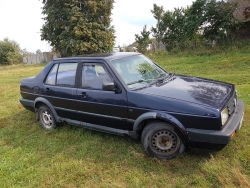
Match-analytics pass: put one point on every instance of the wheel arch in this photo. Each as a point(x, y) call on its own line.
point(42, 101)
point(147, 117)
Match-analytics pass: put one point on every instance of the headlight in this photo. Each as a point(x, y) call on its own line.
point(224, 116)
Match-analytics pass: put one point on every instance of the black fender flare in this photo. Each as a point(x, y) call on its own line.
point(46, 102)
point(157, 115)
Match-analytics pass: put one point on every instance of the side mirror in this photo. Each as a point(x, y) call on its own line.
point(108, 86)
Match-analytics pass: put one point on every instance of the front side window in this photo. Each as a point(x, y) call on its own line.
point(138, 70)
point(62, 74)
point(94, 76)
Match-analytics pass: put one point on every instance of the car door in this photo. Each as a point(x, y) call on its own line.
point(59, 89)
point(99, 107)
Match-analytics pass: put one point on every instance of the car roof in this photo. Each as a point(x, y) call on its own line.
point(106, 56)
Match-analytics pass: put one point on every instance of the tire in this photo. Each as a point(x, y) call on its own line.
point(162, 140)
point(46, 118)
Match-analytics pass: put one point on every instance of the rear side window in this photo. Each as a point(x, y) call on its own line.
point(62, 74)
point(51, 78)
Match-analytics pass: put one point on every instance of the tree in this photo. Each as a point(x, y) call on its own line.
point(38, 51)
point(204, 20)
point(195, 15)
point(142, 40)
point(10, 52)
point(220, 22)
point(75, 27)
point(175, 34)
point(159, 30)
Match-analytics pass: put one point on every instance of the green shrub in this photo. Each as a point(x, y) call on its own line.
point(10, 52)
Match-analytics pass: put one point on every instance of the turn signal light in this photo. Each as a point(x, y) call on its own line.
point(233, 134)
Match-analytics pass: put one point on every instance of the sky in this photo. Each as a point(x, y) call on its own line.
point(22, 20)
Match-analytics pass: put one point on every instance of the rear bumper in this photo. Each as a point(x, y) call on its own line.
point(28, 104)
point(217, 139)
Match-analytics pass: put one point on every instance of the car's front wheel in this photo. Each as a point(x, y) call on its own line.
point(46, 118)
point(162, 140)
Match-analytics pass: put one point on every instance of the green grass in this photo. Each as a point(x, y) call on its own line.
point(75, 157)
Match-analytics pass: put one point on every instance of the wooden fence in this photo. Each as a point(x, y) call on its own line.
point(40, 57)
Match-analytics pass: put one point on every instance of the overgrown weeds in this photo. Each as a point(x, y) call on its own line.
point(75, 157)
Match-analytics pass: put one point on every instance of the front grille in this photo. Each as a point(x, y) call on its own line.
point(231, 105)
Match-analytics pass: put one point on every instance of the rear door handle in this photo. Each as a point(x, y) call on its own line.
point(47, 90)
point(83, 94)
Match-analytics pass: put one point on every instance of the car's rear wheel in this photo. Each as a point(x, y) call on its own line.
point(162, 140)
point(46, 118)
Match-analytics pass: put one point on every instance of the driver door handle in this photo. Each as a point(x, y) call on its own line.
point(83, 94)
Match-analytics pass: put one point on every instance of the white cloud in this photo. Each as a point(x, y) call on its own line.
point(129, 16)
point(22, 20)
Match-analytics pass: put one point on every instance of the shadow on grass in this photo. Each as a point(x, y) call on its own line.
point(67, 143)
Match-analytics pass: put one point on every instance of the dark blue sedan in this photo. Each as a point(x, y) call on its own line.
point(128, 94)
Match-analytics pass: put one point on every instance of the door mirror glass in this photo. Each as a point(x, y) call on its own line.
point(108, 86)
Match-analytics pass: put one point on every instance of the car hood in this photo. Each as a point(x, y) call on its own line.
point(191, 89)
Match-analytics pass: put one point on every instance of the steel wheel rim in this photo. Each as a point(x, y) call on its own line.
point(46, 118)
point(164, 142)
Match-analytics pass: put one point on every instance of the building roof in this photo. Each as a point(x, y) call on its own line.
point(243, 9)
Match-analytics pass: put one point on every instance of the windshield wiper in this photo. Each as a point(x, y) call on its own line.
point(148, 80)
point(159, 78)
point(138, 81)
point(166, 79)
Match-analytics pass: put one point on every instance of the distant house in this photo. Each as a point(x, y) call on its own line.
point(243, 10)
point(116, 49)
point(243, 13)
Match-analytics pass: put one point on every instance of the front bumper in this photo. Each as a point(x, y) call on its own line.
point(217, 139)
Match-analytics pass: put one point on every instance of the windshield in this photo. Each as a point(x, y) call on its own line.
point(138, 70)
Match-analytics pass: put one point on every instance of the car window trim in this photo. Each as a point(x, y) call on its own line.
point(58, 65)
point(92, 62)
